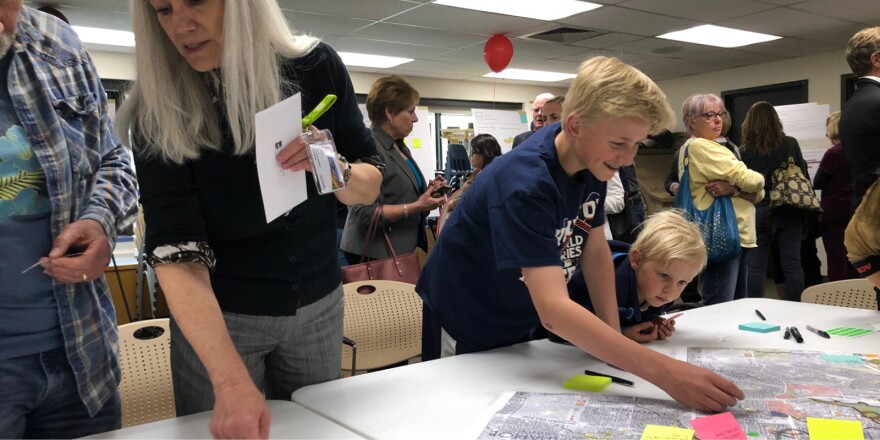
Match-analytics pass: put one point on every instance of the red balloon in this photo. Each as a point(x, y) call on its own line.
point(497, 52)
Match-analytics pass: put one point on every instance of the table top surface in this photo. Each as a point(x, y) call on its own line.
point(289, 421)
point(451, 397)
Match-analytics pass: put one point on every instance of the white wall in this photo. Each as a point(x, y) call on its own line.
point(822, 71)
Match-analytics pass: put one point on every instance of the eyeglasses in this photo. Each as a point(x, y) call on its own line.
point(711, 115)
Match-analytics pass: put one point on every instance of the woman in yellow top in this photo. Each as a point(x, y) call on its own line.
point(715, 171)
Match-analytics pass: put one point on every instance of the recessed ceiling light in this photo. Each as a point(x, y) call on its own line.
point(544, 10)
point(366, 60)
point(107, 37)
point(718, 36)
point(530, 75)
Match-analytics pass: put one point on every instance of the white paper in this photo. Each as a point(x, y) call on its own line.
point(277, 126)
point(503, 124)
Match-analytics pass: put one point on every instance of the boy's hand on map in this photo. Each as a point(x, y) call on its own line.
point(641, 333)
point(698, 387)
point(665, 327)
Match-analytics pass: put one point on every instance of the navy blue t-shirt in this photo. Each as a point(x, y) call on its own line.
point(626, 285)
point(521, 211)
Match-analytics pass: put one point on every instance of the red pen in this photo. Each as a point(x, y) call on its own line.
point(674, 316)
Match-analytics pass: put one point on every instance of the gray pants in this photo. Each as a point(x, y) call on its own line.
point(281, 353)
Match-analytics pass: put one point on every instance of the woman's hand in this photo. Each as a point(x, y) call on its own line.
point(428, 203)
point(720, 188)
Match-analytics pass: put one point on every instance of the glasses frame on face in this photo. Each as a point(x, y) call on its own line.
point(710, 116)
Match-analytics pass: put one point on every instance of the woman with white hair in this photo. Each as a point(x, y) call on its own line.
point(715, 171)
point(256, 307)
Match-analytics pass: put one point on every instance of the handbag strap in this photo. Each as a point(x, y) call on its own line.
point(371, 232)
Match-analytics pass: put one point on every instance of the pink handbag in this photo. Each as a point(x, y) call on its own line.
point(403, 268)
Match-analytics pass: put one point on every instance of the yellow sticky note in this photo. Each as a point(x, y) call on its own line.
point(828, 429)
point(657, 432)
point(417, 142)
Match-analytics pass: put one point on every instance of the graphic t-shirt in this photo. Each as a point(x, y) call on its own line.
point(523, 211)
point(29, 320)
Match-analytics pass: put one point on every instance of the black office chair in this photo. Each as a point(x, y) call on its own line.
point(458, 165)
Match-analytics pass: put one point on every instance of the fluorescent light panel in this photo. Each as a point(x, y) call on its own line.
point(530, 75)
point(543, 10)
point(718, 36)
point(366, 60)
point(107, 37)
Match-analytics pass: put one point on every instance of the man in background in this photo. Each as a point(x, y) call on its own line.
point(537, 120)
point(66, 187)
point(551, 112)
point(860, 136)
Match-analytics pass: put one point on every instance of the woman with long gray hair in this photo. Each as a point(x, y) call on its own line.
point(256, 306)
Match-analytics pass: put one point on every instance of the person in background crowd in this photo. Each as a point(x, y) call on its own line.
point(256, 307)
point(406, 197)
point(68, 187)
point(716, 172)
point(551, 111)
point(517, 236)
point(860, 135)
point(835, 181)
point(537, 122)
point(671, 184)
point(764, 147)
point(484, 149)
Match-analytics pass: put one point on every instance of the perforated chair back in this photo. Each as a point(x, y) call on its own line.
point(385, 325)
point(145, 356)
point(856, 293)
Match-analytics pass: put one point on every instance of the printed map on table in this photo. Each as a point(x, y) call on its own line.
point(782, 389)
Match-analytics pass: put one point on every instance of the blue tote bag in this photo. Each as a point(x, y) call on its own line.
point(717, 222)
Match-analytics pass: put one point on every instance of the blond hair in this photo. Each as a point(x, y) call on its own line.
point(607, 87)
point(667, 236)
point(171, 107)
point(860, 48)
point(832, 127)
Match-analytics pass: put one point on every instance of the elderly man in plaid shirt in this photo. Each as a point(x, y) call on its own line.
point(66, 187)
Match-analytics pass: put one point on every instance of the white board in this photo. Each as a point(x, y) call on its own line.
point(503, 124)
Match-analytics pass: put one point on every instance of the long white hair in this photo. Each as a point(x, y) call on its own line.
point(170, 108)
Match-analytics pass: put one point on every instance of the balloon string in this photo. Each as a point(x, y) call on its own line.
point(494, 98)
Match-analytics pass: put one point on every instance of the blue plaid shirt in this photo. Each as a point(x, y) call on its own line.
point(61, 105)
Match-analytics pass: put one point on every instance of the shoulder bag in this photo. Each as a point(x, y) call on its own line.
point(717, 222)
point(403, 268)
point(789, 186)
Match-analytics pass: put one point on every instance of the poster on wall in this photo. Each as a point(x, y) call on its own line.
point(503, 124)
point(806, 123)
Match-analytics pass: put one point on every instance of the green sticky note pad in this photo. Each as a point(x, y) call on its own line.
point(828, 429)
point(582, 382)
point(841, 358)
point(759, 327)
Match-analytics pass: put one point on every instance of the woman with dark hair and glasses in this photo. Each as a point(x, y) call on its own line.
point(764, 147)
point(716, 172)
point(484, 149)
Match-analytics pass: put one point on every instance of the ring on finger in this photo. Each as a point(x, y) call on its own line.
point(85, 277)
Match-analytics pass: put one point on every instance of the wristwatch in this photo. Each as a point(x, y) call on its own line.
point(346, 167)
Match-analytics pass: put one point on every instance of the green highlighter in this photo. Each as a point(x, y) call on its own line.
point(319, 110)
point(583, 382)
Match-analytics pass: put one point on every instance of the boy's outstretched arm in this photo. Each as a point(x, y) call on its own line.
point(598, 271)
point(691, 385)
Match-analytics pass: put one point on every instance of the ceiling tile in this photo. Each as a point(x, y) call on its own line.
point(373, 47)
point(463, 20)
point(784, 22)
point(792, 47)
point(855, 11)
point(607, 40)
point(613, 18)
point(420, 35)
point(370, 10)
point(320, 25)
point(699, 10)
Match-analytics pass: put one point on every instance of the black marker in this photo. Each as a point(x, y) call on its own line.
point(818, 332)
point(797, 335)
point(787, 334)
point(616, 380)
point(760, 315)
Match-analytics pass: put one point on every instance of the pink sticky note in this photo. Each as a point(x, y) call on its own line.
point(718, 426)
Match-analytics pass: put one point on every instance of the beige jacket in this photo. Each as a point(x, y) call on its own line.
point(710, 161)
